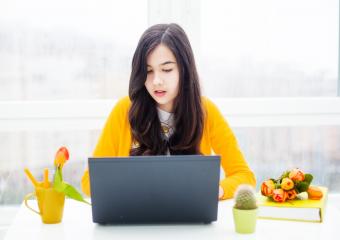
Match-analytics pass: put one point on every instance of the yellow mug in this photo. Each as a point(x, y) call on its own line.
point(50, 203)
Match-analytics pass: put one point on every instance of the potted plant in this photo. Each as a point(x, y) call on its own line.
point(245, 209)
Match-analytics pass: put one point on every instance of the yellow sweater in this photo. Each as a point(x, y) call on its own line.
point(115, 140)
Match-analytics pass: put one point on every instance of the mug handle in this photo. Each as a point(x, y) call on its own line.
point(27, 197)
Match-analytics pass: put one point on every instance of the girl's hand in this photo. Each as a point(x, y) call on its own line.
point(220, 193)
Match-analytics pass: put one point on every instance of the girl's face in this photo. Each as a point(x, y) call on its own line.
point(162, 81)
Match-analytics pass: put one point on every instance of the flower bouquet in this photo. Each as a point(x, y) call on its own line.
point(289, 186)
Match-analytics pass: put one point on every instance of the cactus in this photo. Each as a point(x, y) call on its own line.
point(245, 198)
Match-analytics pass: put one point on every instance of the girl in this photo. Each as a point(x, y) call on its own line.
point(165, 112)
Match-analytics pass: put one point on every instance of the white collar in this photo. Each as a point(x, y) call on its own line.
point(167, 122)
point(164, 116)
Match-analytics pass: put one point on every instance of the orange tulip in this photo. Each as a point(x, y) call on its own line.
point(297, 175)
point(267, 188)
point(279, 195)
point(61, 157)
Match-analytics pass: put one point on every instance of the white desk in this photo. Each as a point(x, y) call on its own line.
point(77, 224)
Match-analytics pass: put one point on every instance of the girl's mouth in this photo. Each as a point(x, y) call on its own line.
point(159, 93)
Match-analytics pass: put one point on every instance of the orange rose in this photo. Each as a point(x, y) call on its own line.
point(291, 194)
point(61, 157)
point(279, 195)
point(287, 184)
point(267, 188)
point(297, 175)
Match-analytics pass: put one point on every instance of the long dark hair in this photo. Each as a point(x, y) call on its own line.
point(188, 112)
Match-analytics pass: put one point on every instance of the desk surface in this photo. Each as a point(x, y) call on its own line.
point(77, 224)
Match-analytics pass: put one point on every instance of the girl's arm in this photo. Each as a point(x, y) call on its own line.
point(108, 142)
point(224, 143)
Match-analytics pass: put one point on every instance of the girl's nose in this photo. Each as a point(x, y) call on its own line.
point(157, 80)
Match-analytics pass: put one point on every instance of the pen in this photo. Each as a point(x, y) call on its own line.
point(30, 176)
point(46, 184)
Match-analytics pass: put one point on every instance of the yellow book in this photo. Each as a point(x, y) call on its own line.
point(294, 210)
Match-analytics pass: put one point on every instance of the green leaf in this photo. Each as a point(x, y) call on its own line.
point(58, 181)
point(274, 180)
point(302, 186)
point(285, 174)
point(73, 193)
point(308, 178)
point(66, 188)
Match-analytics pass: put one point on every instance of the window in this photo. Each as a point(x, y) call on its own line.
point(267, 48)
point(70, 55)
point(68, 49)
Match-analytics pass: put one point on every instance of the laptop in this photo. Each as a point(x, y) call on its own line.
point(154, 189)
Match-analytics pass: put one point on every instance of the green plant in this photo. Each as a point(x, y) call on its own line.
point(59, 184)
point(245, 198)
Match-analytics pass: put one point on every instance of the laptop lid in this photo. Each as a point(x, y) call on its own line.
point(154, 189)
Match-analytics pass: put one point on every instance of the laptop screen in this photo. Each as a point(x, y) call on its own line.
point(142, 189)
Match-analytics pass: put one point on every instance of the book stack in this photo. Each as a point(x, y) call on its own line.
point(294, 210)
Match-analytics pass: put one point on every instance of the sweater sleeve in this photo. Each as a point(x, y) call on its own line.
point(107, 144)
point(224, 143)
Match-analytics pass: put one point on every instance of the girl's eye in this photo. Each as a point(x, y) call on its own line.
point(149, 71)
point(167, 70)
